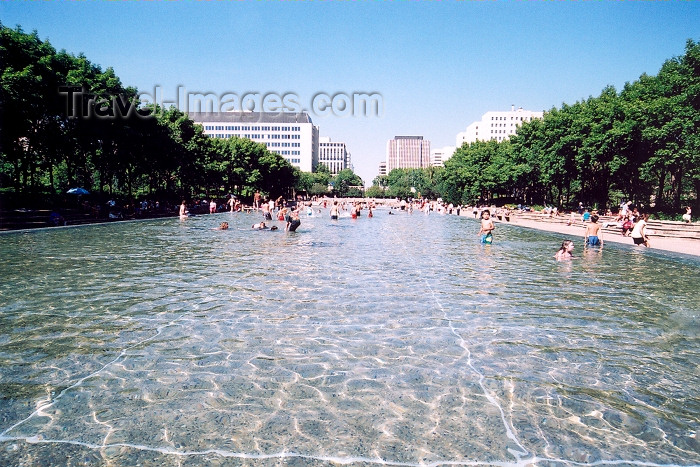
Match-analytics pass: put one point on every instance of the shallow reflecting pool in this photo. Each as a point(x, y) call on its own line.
point(394, 340)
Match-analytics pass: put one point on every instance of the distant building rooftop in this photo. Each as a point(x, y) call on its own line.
point(250, 117)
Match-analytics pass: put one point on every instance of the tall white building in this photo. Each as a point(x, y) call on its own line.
point(291, 135)
point(438, 156)
point(496, 125)
point(333, 155)
point(407, 152)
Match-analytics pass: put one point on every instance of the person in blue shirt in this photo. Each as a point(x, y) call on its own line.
point(586, 216)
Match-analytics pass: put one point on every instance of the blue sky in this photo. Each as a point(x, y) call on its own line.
point(438, 65)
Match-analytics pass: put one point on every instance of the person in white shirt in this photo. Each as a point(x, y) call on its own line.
point(688, 215)
point(639, 234)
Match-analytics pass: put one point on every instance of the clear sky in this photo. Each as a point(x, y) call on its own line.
point(438, 65)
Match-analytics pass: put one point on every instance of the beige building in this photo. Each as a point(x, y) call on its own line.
point(407, 152)
point(496, 125)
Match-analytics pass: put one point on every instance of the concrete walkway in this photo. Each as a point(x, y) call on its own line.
point(575, 232)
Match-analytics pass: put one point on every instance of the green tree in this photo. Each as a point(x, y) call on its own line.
point(669, 112)
point(345, 183)
point(375, 191)
point(468, 179)
point(381, 181)
point(399, 183)
point(525, 150)
point(316, 182)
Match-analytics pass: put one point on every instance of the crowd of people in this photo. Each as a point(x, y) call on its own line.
point(628, 219)
point(282, 210)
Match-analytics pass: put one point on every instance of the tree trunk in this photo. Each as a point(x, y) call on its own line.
point(660, 189)
point(128, 182)
point(604, 191)
point(69, 172)
point(16, 179)
point(677, 184)
point(51, 181)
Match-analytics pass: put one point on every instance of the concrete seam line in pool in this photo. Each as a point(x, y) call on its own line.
point(39, 411)
point(122, 353)
point(316, 354)
point(463, 344)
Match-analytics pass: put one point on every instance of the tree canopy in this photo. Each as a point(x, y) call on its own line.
point(640, 144)
point(69, 123)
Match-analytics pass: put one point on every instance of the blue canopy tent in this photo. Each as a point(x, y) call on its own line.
point(78, 191)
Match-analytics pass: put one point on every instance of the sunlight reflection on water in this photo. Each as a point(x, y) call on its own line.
point(397, 339)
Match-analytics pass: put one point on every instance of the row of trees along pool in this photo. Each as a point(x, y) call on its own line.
point(48, 144)
point(641, 144)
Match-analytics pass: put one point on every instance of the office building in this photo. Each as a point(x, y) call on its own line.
point(333, 155)
point(438, 156)
point(496, 125)
point(291, 135)
point(407, 152)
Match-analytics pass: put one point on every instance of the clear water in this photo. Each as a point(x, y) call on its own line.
point(395, 340)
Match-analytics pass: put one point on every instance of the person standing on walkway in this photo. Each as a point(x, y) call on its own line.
point(639, 232)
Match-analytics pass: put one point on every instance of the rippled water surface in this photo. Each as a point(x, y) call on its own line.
point(398, 340)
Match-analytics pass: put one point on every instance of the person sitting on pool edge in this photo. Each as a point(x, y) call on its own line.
point(593, 235)
point(486, 227)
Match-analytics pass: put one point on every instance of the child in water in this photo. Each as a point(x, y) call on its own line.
point(486, 227)
point(565, 252)
point(593, 235)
